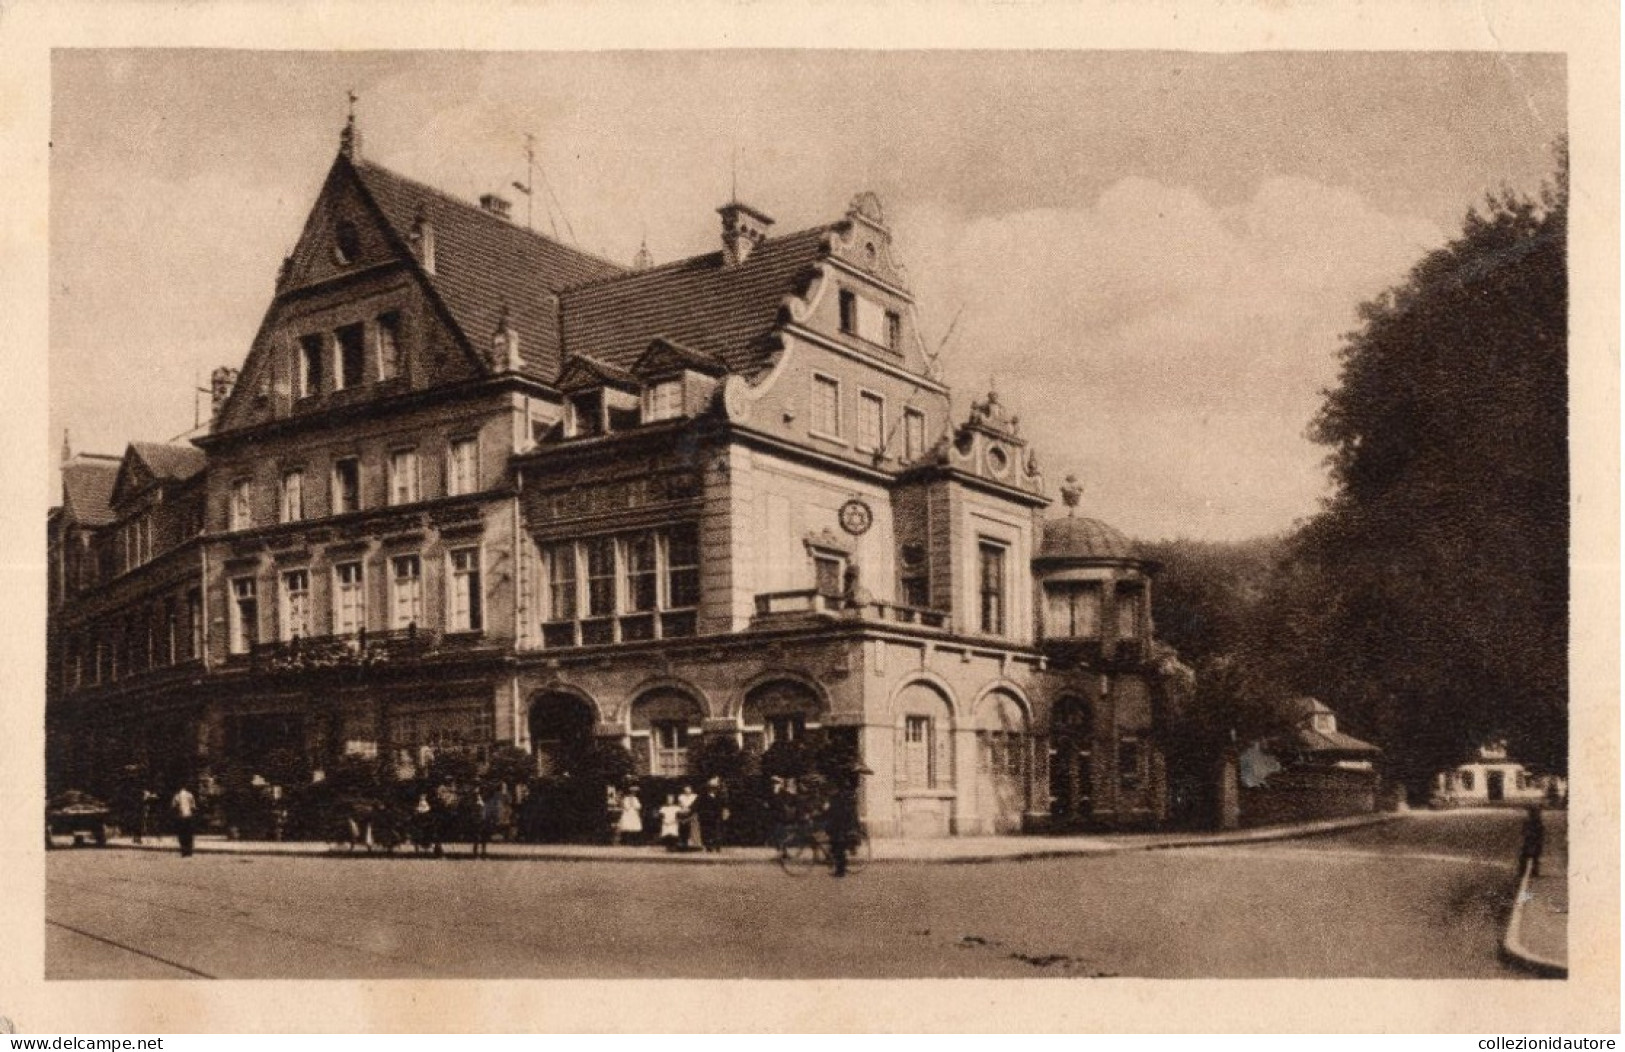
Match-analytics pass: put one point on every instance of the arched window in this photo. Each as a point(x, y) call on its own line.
point(561, 726)
point(1001, 733)
point(924, 738)
point(664, 722)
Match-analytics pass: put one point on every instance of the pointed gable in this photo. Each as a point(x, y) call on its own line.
point(582, 373)
point(149, 463)
point(87, 489)
point(727, 312)
point(666, 357)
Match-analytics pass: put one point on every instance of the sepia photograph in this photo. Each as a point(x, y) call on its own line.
point(784, 513)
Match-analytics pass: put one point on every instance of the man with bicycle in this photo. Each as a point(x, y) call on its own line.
point(841, 818)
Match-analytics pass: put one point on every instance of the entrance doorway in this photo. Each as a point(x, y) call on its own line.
point(560, 730)
point(1496, 783)
point(1071, 776)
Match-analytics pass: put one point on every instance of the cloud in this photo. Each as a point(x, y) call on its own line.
point(1167, 349)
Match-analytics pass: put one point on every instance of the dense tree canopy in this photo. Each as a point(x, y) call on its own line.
point(1428, 602)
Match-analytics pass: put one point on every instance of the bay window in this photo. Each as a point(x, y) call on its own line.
point(622, 588)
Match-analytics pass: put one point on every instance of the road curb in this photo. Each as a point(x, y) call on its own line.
point(1036, 854)
point(1514, 952)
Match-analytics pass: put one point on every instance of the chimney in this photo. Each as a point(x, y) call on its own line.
point(422, 238)
point(497, 206)
point(743, 228)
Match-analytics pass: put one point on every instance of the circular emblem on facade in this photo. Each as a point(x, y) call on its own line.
point(856, 518)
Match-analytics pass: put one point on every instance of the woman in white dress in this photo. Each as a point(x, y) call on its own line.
point(630, 824)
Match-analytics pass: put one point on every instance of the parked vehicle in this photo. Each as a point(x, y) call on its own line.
point(76, 814)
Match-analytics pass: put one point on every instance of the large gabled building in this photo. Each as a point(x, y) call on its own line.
point(474, 487)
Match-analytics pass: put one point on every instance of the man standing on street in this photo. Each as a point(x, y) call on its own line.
point(184, 804)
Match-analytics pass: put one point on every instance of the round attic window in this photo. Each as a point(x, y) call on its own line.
point(346, 241)
point(998, 460)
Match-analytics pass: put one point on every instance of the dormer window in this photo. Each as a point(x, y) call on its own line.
point(664, 400)
point(587, 414)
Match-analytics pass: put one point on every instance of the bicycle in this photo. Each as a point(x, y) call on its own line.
point(806, 847)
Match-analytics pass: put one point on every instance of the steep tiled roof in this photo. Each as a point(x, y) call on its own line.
point(484, 263)
point(1081, 538)
point(718, 310)
point(1308, 740)
point(170, 463)
point(87, 489)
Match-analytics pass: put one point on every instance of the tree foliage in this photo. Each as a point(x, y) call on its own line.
point(1442, 560)
point(1428, 602)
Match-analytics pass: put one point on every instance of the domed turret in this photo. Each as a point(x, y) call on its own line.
point(1084, 539)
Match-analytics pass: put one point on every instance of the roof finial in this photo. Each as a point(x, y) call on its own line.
point(350, 138)
point(644, 259)
point(1071, 493)
point(67, 447)
point(733, 190)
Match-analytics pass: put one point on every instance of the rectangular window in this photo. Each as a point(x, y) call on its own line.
point(871, 421)
point(849, 311)
point(916, 590)
point(789, 728)
point(601, 577)
point(194, 620)
point(403, 476)
point(665, 400)
point(296, 605)
point(293, 496)
point(467, 596)
point(1128, 613)
point(894, 330)
point(642, 573)
point(913, 435)
point(669, 741)
point(683, 567)
point(346, 485)
point(406, 591)
point(242, 504)
point(389, 345)
point(871, 322)
point(244, 614)
point(462, 461)
point(312, 350)
point(351, 343)
point(826, 406)
point(561, 582)
point(349, 599)
point(919, 761)
point(1073, 610)
point(992, 558)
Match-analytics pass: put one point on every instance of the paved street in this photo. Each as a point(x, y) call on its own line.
point(1426, 896)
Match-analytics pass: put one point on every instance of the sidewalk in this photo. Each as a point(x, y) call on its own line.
point(946, 850)
point(1538, 931)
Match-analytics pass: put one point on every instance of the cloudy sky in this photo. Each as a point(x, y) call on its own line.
point(1151, 254)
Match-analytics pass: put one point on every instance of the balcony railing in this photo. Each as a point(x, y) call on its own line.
point(359, 650)
point(779, 606)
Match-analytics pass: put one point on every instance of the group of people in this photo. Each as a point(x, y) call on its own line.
point(689, 821)
point(480, 815)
